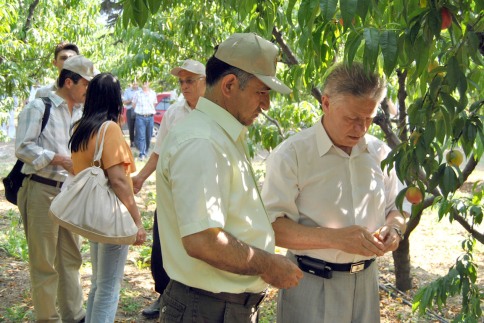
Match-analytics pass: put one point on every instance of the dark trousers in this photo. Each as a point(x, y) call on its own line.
point(182, 304)
point(157, 271)
point(130, 117)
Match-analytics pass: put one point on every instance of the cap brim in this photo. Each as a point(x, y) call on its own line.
point(175, 71)
point(274, 83)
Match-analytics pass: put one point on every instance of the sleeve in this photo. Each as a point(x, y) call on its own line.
point(281, 189)
point(198, 174)
point(29, 128)
point(163, 130)
point(116, 150)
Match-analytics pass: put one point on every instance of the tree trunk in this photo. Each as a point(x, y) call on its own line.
point(401, 260)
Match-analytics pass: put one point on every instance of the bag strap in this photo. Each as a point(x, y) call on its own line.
point(45, 117)
point(99, 148)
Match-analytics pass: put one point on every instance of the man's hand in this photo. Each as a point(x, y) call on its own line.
point(282, 273)
point(64, 161)
point(389, 237)
point(137, 183)
point(358, 240)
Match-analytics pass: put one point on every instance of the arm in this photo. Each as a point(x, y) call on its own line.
point(387, 233)
point(145, 172)
point(223, 251)
point(28, 132)
point(119, 183)
point(353, 239)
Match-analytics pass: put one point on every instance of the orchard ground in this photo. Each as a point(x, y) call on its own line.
point(434, 247)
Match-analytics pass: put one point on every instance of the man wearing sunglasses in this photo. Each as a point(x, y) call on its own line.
point(191, 77)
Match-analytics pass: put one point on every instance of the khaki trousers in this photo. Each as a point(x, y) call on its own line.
point(54, 257)
point(345, 298)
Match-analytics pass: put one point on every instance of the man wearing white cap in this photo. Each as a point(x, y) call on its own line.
point(217, 240)
point(191, 77)
point(54, 255)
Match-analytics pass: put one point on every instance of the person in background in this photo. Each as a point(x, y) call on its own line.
point(191, 77)
point(333, 206)
point(128, 96)
point(54, 255)
point(104, 103)
point(143, 104)
point(62, 51)
point(217, 241)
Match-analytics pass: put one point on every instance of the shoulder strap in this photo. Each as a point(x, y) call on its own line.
point(99, 148)
point(45, 118)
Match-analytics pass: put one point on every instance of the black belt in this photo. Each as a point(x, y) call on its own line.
point(144, 115)
point(246, 299)
point(46, 181)
point(324, 269)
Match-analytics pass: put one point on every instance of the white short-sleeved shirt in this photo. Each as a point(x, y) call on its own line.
point(175, 113)
point(204, 180)
point(315, 183)
point(145, 102)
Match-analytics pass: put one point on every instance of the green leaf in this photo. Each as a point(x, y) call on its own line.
point(389, 49)
point(352, 45)
point(370, 55)
point(362, 9)
point(328, 9)
point(154, 5)
point(348, 11)
point(140, 12)
point(305, 14)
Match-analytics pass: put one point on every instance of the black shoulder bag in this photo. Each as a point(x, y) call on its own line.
point(13, 181)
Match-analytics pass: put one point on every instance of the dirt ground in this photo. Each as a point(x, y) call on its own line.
point(434, 248)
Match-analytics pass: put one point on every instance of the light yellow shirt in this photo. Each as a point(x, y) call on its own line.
point(204, 180)
point(315, 183)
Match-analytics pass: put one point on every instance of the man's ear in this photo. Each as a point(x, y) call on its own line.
point(68, 83)
point(325, 103)
point(229, 82)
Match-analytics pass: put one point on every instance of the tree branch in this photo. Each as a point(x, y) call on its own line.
point(274, 121)
point(292, 60)
point(28, 21)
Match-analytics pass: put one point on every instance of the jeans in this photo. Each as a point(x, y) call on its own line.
point(144, 131)
point(107, 273)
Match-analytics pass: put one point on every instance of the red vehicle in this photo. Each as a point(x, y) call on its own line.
point(163, 102)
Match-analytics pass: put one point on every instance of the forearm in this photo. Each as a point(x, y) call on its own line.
point(397, 219)
point(225, 252)
point(120, 185)
point(292, 235)
point(149, 167)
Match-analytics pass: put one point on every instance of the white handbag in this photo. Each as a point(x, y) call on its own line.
point(89, 207)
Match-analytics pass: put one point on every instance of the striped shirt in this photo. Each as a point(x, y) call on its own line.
point(145, 102)
point(37, 149)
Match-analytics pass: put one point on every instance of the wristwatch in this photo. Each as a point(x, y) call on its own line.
point(400, 233)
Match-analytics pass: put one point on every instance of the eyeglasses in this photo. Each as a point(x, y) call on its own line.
point(189, 81)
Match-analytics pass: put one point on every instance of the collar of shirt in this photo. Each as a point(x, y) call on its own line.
point(325, 144)
point(223, 118)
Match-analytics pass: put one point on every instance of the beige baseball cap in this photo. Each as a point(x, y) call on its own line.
point(190, 65)
point(82, 66)
point(255, 55)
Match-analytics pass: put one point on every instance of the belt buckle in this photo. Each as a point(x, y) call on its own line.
point(357, 267)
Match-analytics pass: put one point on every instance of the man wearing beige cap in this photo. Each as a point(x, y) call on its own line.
point(191, 77)
point(217, 240)
point(54, 255)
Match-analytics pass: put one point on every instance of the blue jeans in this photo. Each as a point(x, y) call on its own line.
point(143, 130)
point(107, 273)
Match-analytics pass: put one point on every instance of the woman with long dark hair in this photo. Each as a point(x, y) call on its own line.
point(103, 103)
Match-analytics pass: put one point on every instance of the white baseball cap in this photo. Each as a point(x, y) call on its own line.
point(190, 65)
point(255, 55)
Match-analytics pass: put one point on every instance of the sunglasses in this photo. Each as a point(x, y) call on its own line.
point(189, 81)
